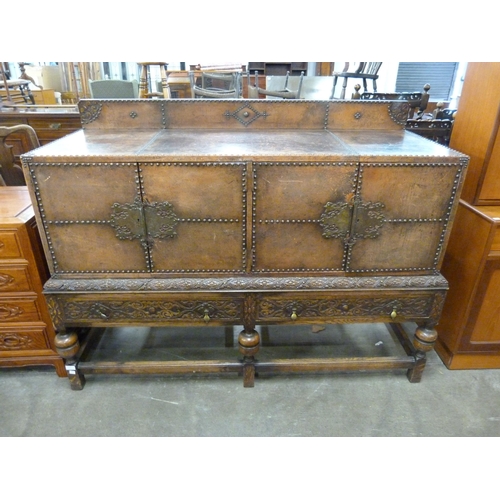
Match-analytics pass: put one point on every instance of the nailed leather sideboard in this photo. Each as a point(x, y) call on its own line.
point(244, 212)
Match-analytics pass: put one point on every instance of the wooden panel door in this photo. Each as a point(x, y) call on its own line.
point(401, 215)
point(195, 216)
point(92, 217)
point(302, 216)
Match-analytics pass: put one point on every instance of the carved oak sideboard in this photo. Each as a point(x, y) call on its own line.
point(244, 212)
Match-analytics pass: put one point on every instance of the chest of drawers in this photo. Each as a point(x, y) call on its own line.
point(244, 212)
point(26, 331)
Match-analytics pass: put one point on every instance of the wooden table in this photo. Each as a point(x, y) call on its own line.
point(244, 212)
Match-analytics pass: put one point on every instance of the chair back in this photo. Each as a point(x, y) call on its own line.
point(254, 91)
point(11, 173)
point(114, 89)
point(215, 85)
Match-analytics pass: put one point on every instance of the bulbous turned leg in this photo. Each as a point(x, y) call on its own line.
point(424, 340)
point(249, 343)
point(67, 346)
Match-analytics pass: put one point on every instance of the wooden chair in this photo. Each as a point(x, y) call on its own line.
point(418, 101)
point(215, 85)
point(438, 128)
point(11, 174)
point(365, 70)
point(254, 91)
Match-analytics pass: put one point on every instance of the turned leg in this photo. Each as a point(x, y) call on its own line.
point(67, 346)
point(425, 337)
point(248, 341)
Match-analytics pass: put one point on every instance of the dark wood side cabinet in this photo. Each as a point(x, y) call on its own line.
point(26, 330)
point(244, 212)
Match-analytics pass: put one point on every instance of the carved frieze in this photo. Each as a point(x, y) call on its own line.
point(154, 310)
point(352, 307)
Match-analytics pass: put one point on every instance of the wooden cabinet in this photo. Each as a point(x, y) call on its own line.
point(277, 68)
point(235, 212)
point(476, 133)
point(26, 331)
point(469, 329)
point(48, 125)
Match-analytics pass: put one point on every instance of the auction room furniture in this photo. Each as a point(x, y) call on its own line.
point(49, 122)
point(365, 71)
point(244, 212)
point(114, 89)
point(145, 86)
point(11, 173)
point(215, 85)
point(469, 333)
point(18, 91)
point(26, 331)
point(256, 92)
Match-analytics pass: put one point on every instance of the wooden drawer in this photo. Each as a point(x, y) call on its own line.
point(10, 247)
point(351, 308)
point(13, 340)
point(13, 278)
point(156, 309)
point(19, 309)
point(62, 123)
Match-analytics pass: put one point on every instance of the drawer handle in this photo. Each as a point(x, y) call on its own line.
point(206, 317)
point(294, 315)
point(394, 314)
point(55, 126)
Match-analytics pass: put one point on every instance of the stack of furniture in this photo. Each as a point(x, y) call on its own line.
point(244, 212)
point(49, 122)
point(469, 330)
point(26, 331)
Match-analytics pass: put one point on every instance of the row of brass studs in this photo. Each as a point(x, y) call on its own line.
point(42, 215)
point(450, 206)
point(288, 221)
point(391, 270)
point(192, 164)
point(414, 220)
point(60, 222)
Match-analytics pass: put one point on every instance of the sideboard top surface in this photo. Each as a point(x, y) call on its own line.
point(235, 145)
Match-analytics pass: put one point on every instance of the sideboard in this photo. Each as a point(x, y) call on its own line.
point(244, 212)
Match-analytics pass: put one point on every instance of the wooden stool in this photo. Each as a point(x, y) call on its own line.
point(143, 82)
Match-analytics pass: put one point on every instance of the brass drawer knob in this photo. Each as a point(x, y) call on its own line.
point(206, 317)
point(294, 314)
point(394, 314)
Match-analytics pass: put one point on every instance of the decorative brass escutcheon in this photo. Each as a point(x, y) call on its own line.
point(336, 220)
point(352, 219)
point(140, 219)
